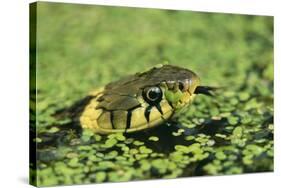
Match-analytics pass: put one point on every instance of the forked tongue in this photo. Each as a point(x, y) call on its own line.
point(205, 90)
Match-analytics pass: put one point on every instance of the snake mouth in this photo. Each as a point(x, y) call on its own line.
point(205, 90)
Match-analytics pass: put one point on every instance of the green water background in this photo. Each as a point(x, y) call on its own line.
point(83, 47)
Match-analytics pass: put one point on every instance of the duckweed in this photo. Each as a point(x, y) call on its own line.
point(179, 132)
point(100, 177)
point(153, 138)
point(110, 143)
point(144, 149)
point(138, 143)
point(229, 133)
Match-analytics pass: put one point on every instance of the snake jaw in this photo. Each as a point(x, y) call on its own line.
point(180, 93)
point(193, 83)
point(178, 99)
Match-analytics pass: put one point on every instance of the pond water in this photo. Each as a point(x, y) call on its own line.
point(81, 48)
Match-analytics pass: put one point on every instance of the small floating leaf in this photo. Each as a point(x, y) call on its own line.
point(100, 177)
point(138, 143)
point(153, 138)
point(110, 143)
point(53, 130)
point(144, 149)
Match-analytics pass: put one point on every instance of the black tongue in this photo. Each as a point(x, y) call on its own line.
point(205, 90)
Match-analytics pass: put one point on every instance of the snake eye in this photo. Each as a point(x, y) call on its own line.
point(152, 95)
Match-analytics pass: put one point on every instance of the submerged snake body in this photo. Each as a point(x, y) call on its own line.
point(139, 101)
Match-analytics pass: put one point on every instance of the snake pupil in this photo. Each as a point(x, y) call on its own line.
point(153, 94)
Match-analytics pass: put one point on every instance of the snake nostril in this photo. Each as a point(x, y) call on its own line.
point(184, 85)
point(181, 86)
